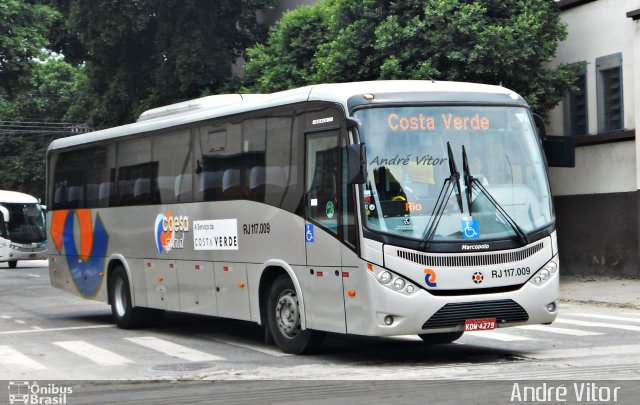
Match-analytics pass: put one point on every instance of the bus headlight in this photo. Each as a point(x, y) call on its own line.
point(545, 272)
point(391, 280)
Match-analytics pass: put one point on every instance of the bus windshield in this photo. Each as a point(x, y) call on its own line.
point(408, 164)
point(26, 223)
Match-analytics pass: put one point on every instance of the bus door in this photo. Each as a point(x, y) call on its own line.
point(323, 297)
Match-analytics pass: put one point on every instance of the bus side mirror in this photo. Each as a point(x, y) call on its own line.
point(4, 214)
point(357, 162)
point(560, 151)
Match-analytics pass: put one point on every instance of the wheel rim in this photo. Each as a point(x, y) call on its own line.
point(120, 298)
point(288, 314)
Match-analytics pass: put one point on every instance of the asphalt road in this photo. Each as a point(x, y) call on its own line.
point(48, 335)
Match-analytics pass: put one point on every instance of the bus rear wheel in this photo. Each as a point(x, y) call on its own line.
point(124, 313)
point(440, 338)
point(13, 264)
point(284, 320)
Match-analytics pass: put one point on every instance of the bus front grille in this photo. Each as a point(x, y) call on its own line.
point(454, 314)
point(469, 260)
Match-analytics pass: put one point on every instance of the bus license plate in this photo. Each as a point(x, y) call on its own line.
point(479, 324)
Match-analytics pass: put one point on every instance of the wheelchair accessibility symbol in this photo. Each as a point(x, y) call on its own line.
point(470, 229)
point(308, 233)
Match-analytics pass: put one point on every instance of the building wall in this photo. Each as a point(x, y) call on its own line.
point(597, 201)
point(596, 29)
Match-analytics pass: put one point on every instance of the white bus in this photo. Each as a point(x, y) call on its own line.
point(23, 233)
point(373, 208)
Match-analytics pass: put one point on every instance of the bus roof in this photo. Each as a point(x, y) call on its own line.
point(229, 104)
point(14, 197)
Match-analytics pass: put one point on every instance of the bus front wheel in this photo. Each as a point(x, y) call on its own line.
point(284, 320)
point(124, 313)
point(13, 264)
point(440, 338)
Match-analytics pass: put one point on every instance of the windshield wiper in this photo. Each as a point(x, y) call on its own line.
point(450, 184)
point(455, 177)
point(470, 181)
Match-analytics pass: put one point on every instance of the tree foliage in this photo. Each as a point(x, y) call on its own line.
point(51, 98)
point(488, 41)
point(23, 34)
point(146, 53)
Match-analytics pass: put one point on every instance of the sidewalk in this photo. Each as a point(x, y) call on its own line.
point(600, 291)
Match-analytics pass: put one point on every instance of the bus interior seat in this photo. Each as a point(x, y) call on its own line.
point(74, 197)
point(182, 186)
point(210, 184)
point(58, 196)
point(104, 192)
point(231, 183)
point(141, 189)
point(93, 191)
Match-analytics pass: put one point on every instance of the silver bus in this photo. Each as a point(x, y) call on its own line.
point(23, 234)
point(373, 208)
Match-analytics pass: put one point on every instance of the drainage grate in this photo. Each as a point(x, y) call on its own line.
point(184, 366)
point(454, 314)
point(457, 260)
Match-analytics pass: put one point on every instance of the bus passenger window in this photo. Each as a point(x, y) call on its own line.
point(322, 179)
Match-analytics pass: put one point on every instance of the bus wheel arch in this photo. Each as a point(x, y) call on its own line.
point(283, 310)
point(120, 296)
point(269, 275)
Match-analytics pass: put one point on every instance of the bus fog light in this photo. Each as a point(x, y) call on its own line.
point(399, 284)
point(410, 288)
point(385, 277)
point(551, 307)
point(537, 280)
point(388, 320)
point(544, 274)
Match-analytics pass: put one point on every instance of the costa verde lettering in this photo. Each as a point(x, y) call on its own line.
point(448, 122)
point(413, 123)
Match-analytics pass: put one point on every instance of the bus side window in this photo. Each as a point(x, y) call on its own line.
point(322, 179)
point(3, 228)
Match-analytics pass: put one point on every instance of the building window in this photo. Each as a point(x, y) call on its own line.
point(609, 87)
point(576, 119)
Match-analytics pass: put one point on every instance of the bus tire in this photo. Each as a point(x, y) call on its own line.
point(124, 314)
point(284, 320)
point(440, 338)
point(13, 264)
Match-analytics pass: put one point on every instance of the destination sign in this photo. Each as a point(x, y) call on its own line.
point(443, 121)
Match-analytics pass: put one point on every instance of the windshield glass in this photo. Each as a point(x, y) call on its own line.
point(26, 223)
point(408, 164)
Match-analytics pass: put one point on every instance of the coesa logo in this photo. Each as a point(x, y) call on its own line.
point(430, 277)
point(169, 231)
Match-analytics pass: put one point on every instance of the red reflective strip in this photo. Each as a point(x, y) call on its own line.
point(345, 274)
point(319, 273)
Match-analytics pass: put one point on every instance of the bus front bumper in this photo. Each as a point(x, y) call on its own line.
point(395, 314)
